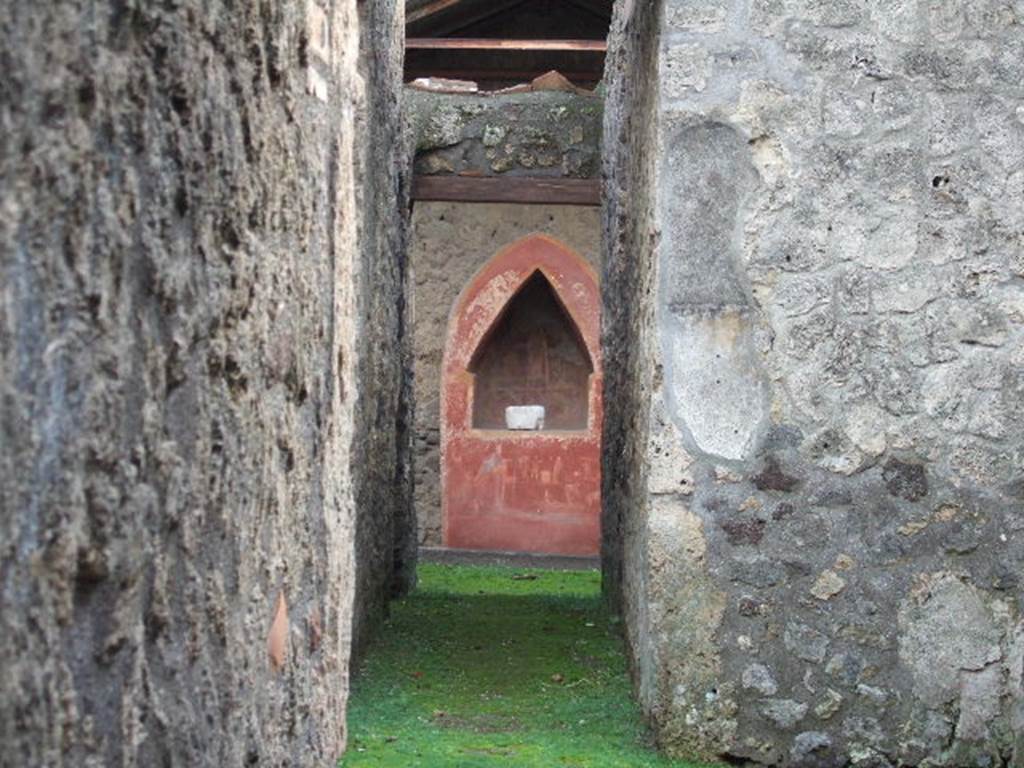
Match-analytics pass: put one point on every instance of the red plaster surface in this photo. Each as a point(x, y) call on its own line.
point(520, 491)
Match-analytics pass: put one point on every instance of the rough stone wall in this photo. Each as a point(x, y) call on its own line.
point(177, 376)
point(831, 526)
point(627, 278)
point(450, 242)
point(382, 469)
point(544, 133)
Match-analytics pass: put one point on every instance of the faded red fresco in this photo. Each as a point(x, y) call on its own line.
point(524, 341)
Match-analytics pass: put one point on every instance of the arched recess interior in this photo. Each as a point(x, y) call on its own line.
point(521, 491)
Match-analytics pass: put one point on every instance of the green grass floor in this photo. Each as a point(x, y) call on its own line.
point(498, 667)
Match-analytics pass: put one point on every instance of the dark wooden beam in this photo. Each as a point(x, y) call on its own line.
point(487, 44)
point(508, 189)
point(514, 76)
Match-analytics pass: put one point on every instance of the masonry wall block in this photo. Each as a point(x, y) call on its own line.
point(542, 133)
point(818, 545)
point(182, 341)
point(449, 243)
point(386, 542)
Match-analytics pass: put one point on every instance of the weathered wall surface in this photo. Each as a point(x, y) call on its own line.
point(382, 471)
point(631, 372)
point(177, 376)
point(831, 522)
point(448, 244)
point(544, 133)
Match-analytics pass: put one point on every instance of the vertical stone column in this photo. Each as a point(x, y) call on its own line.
point(386, 537)
point(627, 284)
point(178, 250)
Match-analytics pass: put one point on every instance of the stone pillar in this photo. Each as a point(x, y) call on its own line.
point(178, 374)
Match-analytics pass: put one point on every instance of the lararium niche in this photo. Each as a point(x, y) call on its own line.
point(521, 405)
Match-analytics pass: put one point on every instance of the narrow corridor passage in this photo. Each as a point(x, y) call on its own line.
point(497, 666)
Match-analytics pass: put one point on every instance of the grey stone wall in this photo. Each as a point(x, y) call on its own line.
point(382, 469)
point(630, 370)
point(830, 521)
point(450, 242)
point(543, 133)
point(178, 357)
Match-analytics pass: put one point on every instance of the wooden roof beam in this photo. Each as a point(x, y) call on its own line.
point(429, 10)
point(452, 23)
point(507, 189)
point(489, 44)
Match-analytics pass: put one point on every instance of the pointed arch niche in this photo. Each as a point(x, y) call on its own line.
point(525, 331)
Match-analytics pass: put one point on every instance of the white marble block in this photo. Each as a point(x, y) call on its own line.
point(524, 417)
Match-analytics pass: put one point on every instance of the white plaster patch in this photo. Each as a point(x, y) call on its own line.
point(712, 385)
point(319, 32)
point(947, 628)
point(685, 69)
point(316, 85)
point(670, 464)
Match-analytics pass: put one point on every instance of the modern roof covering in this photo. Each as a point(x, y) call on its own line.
point(581, 19)
point(459, 39)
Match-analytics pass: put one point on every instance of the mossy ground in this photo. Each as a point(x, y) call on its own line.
point(498, 667)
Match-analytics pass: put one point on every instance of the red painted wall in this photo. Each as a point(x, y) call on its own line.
point(520, 491)
point(533, 357)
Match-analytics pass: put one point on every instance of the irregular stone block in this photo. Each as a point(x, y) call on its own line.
point(784, 713)
point(806, 642)
point(845, 667)
point(757, 677)
point(905, 481)
point(947, 630)
point(828, 585)
point(829, 705)
point(772, 478)
point(811, 749)
point(744, 531)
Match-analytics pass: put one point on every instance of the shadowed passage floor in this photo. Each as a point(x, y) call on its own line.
point(498, 666)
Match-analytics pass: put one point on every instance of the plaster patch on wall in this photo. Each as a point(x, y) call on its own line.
point(670, 465)
point(948, 628)
point(714, 388)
